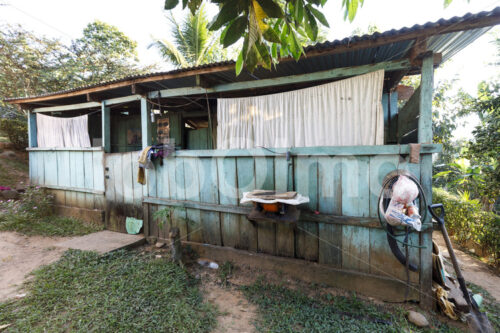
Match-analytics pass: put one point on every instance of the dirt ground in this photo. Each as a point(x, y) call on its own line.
point(474, 270)
point(19, 255)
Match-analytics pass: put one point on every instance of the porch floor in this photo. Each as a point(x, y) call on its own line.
point(103, 241)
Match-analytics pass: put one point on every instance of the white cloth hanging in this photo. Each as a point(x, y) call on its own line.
point(343, 113)
point(58, 132)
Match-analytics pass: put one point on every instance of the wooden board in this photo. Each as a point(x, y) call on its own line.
point(228, 195)
point(285, 235)
point(264, 180)
point(246, 182)
point(210, 221)
point(192, 190)
point(306, 182)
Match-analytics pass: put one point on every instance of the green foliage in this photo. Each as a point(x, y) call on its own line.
point(270, 29)
point(102, 53)
point(16, 130)
point(285, 310)
point(32, 65)
point(116, 292)
point(466, 220)
point(29, 65)
point(165, 215)
point(225, 271)
point(32, 214)
point(193, 44)
point(462, 177)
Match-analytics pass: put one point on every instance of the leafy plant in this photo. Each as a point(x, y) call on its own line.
point(166, 215)
point(466, 220)
point(16, 130)
point(225, 271)
point(193, 44)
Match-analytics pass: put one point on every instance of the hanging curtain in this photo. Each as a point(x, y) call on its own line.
point(342, 113)
point(58, 132)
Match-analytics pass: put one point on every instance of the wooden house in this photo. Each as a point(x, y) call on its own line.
point(338, 239)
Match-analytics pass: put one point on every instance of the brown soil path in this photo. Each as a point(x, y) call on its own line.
point(20, 255)
point(473, 270)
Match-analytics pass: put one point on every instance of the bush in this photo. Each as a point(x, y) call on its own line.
point(466, 221)
point(17, 132)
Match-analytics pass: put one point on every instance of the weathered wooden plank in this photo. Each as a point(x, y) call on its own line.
point(306, 182)
point(80, 177)
point(264, 180)
point(408, 115)
point(32, 133)
point(50, 168)
point(380, 166)
point(71, 198)
point(356, 248)
point(228, 195)
point(330, 202)
point(210, 221)
point(89, 178)
point(426, 89)
point(355, 186)
point(98, 174)
point(426, 236)
point(246, 182)
point(128, 190)
point(311, 151)
point(192, 191)
point(145, 123)
point(383, 262)
point(180, 215)
point(137, 188)
point(106, 127)
point(285, 235)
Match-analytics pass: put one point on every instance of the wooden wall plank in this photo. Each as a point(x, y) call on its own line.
point(209, 193)
point(306, 182)
point(180, 215)
point(380, 166)
point(192, 190)
point(330, 202)
point(228, 195)
point(98, 166)
point(80, 178)
point(89, 178)
point(355, 186)
point(285, 235)
point(50, 168)
point(246, 182)
point(356, 248)
point(264, 180)
point(137, 188)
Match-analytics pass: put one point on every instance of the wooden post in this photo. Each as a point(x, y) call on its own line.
point(426, 89)
point(106, 127)
point(145, 123)
point(32, 133)
point(425, 136)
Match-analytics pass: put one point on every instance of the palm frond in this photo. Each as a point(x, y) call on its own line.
point(169, 51)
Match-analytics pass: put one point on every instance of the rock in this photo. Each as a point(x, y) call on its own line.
point(158, 256)
point(2, 327)
point(159, 244)
point(9, 194)
point(417, 319)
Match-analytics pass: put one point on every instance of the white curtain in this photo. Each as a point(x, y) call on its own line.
point(55, 132)
point(342, 113)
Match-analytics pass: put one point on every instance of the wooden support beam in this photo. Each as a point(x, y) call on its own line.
point(336, 73)
point(93, 98)
point(136, 89)
point(32, 131)
point(426, 93)
point(89, 105)
point(106, 128)
point(418, 48)
point(146, 123)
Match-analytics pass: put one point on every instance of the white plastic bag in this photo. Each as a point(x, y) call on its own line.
point(401, 210)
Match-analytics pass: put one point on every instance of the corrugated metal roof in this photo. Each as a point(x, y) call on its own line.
point(439, 41)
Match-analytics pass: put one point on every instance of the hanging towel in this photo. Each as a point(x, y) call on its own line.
point(60, 132)
point(143, 159)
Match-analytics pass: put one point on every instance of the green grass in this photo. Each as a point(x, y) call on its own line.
point(285, 310)
point(117, 292)
point(7, 176)
point(46, 226)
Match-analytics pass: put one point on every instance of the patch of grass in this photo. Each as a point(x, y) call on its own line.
point(46, 226)
point(285, 310)
point(225, 271)
point(12, 171)
point(118, 292)
point(490, 305)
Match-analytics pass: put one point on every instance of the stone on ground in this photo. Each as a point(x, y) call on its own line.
point(417, 319)
point(103, 241)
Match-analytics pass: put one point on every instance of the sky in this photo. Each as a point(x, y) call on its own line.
point(145, 20)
